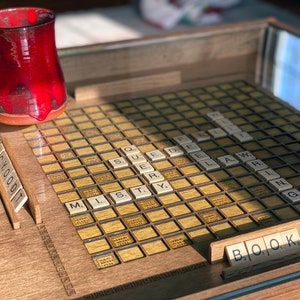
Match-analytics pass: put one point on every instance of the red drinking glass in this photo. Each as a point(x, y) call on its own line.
point(32, 86)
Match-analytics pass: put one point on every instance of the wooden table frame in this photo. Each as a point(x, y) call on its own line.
point(39, 260)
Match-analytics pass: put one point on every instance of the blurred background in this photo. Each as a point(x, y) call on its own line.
point(80, 23)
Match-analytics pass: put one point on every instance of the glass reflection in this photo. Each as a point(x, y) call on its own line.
point(283, 50)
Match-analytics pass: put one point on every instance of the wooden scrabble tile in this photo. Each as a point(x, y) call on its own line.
point(280, 184)
point(75, 207)
point(291, 240)
point(19, 199)
point(182, 139)
point(120, 240)
point(227, 160)
point(155, 155)
point(217, 132)
point(209, 164)
point(200, 136)
point(97, 246)
point(140, 192)
point(155, 247)
point(106, 261)
point(190, 147)
point(136, 158)
point(157, 215)
point(99, 201)
point(200, 156)
point(153, 176)
point(120, 196)
point(237, 254)
point(174, 151)
point(274, 244)
point(143, 167)
point(245, 156)
point(178, 241)
point(130, 254)
point(292, 195)
point(89, 232)
point(112, 226)
point(162, 187)
point(105, 214)
point(118, 162)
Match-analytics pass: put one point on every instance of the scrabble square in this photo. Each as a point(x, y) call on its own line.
point(130, 254)
point(155, 247)
point(145, 233)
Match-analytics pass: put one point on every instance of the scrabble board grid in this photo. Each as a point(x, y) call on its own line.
point(80, 154)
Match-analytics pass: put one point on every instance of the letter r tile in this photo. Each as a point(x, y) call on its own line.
point(237, 254)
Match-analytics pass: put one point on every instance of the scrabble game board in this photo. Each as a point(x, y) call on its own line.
point(144, 176)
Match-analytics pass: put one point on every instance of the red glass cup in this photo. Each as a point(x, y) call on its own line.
point(32, 86)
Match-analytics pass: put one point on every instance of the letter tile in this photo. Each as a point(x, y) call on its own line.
point(237, 254)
